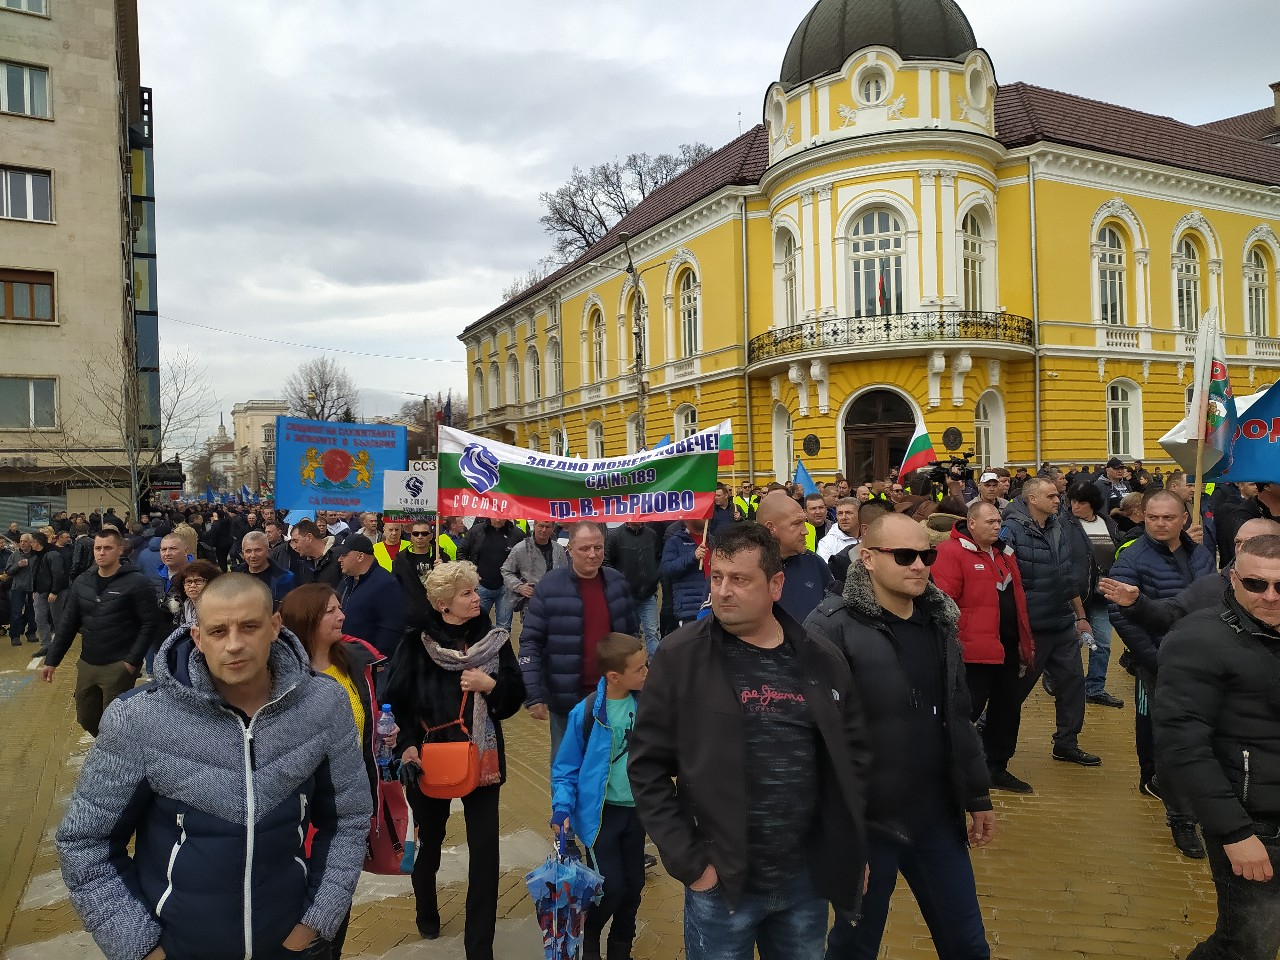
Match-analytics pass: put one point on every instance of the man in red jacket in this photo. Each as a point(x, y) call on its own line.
point(981, 575)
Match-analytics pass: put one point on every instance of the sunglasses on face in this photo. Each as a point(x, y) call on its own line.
point(419, 533)
point(905, 556)
point(1257, 584)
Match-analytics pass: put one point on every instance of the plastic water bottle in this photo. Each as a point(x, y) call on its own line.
point(1087, 640)
point(384, 749)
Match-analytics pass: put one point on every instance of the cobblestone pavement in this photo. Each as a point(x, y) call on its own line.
point(1083, 868)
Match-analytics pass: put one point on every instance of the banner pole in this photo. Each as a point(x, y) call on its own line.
point(1195, 497)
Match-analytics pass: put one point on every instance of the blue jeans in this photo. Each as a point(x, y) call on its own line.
point(937, 868)
point(789, 923)
point(647, 612)
point(1095, 680)
point(489, 596)
point(43, 617)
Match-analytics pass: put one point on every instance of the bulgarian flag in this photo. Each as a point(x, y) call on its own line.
point(483, 478)
point(920, 453)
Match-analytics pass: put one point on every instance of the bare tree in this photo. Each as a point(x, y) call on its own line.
point(112, 405)
point(520, 284)
point(581, 211)
point(321, 389)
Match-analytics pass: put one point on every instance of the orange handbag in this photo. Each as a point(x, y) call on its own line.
point(450, 769)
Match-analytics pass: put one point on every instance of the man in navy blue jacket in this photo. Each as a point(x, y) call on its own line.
point(370, 596)
point(571, 610)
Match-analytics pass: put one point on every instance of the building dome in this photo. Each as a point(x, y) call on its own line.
point(835, 29)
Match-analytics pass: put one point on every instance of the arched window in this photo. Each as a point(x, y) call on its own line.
point(688, 314)
point(495, 385)
point(557, 367)
point(557, 443)
point(1111, 276)
point(1257, 281)
point(1124, 420)
point(595, 441)
point(989, 440)
point(789, 275)
point(634, 334)
point(477, 390)
point(876, 244)
point(686, 421)
point(535, 443)
point(633, 434)
point(597, 346)
point(513, 380)
point(533, 373)
point(783, 443)
point(1187, 267)
point(974, 262)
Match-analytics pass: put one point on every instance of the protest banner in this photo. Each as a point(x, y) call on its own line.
point(484, 478)
point(328, 465)
point(410, 493)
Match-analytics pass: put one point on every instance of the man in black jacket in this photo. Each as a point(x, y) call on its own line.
point(899, 633)
point(486, 545)
point(634, 550)
point(48, 581)
point(113, 608)
point(1217, 719)
point(1231, 515)
point(758, 722)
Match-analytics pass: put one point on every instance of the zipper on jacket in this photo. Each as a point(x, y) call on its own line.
point(173, 859)
point(302, 834)
point(1244, 798)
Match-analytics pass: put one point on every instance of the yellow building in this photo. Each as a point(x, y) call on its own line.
point(903, 240)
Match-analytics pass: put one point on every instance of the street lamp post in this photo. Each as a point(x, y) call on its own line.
point(637, 331)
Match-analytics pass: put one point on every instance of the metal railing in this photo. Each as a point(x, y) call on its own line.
point(920, 327)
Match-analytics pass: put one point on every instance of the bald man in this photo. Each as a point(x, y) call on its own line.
point(806, 575)
point(1159, 616)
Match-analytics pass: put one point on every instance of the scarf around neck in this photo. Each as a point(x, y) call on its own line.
point(482, 655)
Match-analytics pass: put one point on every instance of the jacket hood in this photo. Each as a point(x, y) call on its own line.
point(180, 666)
point(860, 597)
point(941, 521)
point(154, 543)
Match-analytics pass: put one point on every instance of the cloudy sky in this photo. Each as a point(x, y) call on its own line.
point(364, 176)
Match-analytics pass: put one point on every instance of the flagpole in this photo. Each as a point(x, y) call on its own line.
point(1195, 496)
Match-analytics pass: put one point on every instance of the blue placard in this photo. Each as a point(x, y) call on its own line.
point(1255, 448)
point(326, 465)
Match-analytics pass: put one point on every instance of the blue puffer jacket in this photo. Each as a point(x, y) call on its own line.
point(1150, 566)
point(1044, 560)
point(580, 772)
point(551, 635)
point(175, 765)
point(681, 567)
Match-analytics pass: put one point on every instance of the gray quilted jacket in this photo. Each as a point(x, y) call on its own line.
point(180, 770)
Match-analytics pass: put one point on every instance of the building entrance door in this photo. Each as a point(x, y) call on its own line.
point(877, 432)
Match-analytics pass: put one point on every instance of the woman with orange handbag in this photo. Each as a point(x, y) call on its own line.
point(313, 614)
point(450, 689)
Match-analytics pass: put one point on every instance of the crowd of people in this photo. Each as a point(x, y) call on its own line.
point(797, 699)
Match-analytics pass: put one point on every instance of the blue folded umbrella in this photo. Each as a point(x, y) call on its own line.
point(562, 889)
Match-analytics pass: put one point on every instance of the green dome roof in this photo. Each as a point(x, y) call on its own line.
point(835, 29)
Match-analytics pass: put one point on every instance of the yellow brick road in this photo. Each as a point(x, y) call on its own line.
point(1084, 868)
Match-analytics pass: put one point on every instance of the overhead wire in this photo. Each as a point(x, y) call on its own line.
point(309, 346)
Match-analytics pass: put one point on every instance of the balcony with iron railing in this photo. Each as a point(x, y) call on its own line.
point(999, 334)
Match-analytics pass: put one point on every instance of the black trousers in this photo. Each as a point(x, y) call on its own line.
point(1177, 808)
point(997, 688)
point(480, 809)
point(619, 856)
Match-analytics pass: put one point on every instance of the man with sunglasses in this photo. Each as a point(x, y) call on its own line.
point(412, 564)
point(1034, 529)
point(899, 633)
point(1160, 563)
point(1217, 726)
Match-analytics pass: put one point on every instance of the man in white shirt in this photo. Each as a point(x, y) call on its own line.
point(844, 533)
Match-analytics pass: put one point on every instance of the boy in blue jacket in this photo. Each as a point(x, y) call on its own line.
point(590, 793)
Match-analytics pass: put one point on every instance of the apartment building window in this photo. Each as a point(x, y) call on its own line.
point(26, 6)
point(876, 246)
point(689, 314)
point(1187, 265)
point(24, 90)
point(790, 294)
point(27, 403)
point(1257, 281)
point(26, 195)
point(974, 262)
point(1111, 272)
point(1124, 416)
point(26, 295)
point(269, 434)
